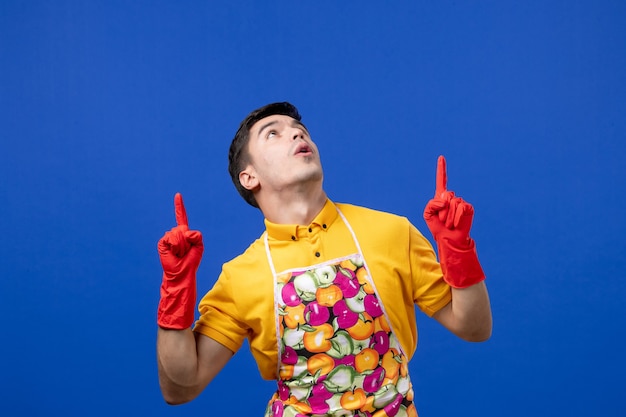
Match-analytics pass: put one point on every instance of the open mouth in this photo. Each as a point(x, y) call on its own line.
point(303, 149)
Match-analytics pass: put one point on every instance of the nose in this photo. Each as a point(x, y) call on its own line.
point(297, 134)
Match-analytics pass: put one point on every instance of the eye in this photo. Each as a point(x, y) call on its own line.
point(271, 134)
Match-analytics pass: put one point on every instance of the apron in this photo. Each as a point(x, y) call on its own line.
point(337, 353)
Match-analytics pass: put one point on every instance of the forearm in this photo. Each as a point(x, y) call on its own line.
point(472, 310)
point(468, 315)
point(178, 365)
point(187, 363)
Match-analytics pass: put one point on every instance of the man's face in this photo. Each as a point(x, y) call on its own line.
point(282, 154)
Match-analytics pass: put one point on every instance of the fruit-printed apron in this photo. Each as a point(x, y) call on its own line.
point(338, 355)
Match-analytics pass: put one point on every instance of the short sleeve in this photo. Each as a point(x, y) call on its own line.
point(219, 316)
point(430, 292)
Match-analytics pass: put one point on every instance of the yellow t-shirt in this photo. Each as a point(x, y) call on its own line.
point(402, 265)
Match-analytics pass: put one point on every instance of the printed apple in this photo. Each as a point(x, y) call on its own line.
point(277, 408)
point(404, 385)
point(353, 400)
point(300, 393)
point(289, 295)
point(293, 316)
point(372, 305)
point(328, 296)
point(340, 379)
point(300, 369)
point(289, 356)
point(306, 286)
point(294, 338)
point(357, 303)
point(347, 282)
point(341, 345)
point(347, 269)
point(380, 342)
point(363, 328)
point(320, 364)
point(320, 390)
point(359, 345)
point(318, 404)
point(318, 340)
point(345, 316)
point(394, 406)
point(325, 275)
point(365, 280)
point(348, 360)
point(385, 396)
point(374, 380)
point(316, 314)
point(391, 362)
point(366, 360)
point(357, 260)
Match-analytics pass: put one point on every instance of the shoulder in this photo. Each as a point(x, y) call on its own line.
point(249, 259)
point(248, 276)
point(372, 219)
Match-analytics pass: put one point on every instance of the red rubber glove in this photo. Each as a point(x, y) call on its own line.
point(449, 219)
point(180, 251)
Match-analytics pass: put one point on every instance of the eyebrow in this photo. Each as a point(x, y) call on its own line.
point(266, 125)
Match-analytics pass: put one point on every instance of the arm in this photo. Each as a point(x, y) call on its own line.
point(186, 362)
point(468, 315)
point(449, 219)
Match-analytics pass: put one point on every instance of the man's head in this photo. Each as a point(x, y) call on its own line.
point(239, 156)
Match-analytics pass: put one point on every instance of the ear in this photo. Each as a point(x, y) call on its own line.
point(248, 178)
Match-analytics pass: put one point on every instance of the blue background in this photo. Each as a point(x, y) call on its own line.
point(107, 108)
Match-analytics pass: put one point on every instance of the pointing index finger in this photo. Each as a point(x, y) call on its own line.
point(442, 177)
point(179, 208)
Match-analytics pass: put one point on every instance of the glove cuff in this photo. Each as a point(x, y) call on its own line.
point(461, 268)
point(177, 305)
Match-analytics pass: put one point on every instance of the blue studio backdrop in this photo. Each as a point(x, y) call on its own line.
point(107, 108)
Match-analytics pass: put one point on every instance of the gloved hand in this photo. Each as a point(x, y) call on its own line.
point(180, 251)
point(449, 219)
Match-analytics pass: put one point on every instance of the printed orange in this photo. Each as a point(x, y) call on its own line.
point(347, 264)
point(284, 278)
point(381, 323)
point(366, 360)
point(294, 316)
point(320, 362)
point(363, 278)
point(318, 340)
point(286, 371)
point(328, 296)
point(353, 400)
point(390, 363)
point(364, 327)
point(369, 405)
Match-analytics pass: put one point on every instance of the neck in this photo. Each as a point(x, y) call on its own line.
point(299, 208)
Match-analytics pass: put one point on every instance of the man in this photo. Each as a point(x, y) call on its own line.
point(326, 295)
